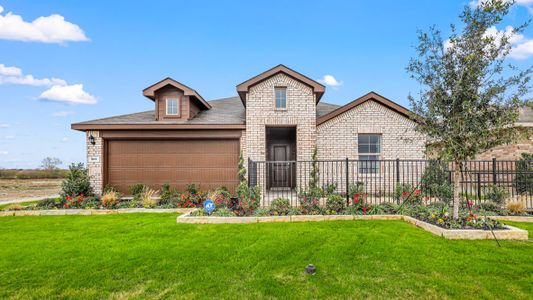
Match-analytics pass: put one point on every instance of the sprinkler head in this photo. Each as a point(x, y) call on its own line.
point(310, 269)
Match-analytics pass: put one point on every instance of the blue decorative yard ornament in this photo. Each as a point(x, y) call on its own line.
point(209, 206)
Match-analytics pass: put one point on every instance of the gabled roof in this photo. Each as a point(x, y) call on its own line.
point(370, 96)
point(225, 113)
point(243, 88)
point(150, 91)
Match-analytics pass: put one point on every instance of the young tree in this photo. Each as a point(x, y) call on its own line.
point(50, 163)
point(470, 97)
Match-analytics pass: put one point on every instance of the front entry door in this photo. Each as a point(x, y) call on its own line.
point(280, 167)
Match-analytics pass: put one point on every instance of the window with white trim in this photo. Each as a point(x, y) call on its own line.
point(281, 97)
point(172, 107)
point(369, 149)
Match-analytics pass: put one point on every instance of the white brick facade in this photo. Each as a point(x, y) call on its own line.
point(95, 160)
point(337, 138)
point(261, 112)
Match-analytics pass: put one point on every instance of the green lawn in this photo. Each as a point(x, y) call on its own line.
point(151, 256)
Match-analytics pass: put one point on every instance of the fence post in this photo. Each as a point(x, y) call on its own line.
point(494, 177)
point(347, 182)
point(249, 172)
point(397, 170)
point(479, 186)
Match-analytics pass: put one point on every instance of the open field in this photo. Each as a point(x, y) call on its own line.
point(11, 189)
point(151, 256)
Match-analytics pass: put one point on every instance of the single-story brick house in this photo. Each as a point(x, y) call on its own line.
point(277, 116)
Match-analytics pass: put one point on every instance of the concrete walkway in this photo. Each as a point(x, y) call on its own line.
point(26, 199)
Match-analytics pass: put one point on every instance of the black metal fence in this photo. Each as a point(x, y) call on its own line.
point(382, 180)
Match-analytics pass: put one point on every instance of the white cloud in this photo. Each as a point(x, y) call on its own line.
point(9, 137)
point(4, 125)
point(51, 29)
point(14, 75)
point(73, 94)
point(521, 47)
point(62, 114)
point(4, 153)
point(523, 50)
point(64, 140)
point(60, 90)
point(527, 3)
point(329, 80)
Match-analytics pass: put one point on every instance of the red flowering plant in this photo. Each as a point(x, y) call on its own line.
point(248, 199)
point(310, 200)
point(73, 201)
point(221, 197)
point(406, 192)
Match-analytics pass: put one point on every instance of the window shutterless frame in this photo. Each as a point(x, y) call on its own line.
point(369, 149)
point(280, 98)
point(172, 106)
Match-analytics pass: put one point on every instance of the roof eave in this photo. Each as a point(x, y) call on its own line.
point(86, 127)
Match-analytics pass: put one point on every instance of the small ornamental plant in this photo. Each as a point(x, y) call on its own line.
point(110, 199)
point(335, 204)
point(280, 207)
point(73, 201)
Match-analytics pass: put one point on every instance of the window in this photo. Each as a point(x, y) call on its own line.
point(281, 98)
point(172, 107)
point(369, 148)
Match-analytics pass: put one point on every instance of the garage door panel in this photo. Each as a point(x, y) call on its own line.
point(208, 163)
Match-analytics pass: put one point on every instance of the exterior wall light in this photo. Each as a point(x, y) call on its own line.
point(91, 140)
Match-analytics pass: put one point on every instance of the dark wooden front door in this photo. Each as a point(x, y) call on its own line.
point(280, 168)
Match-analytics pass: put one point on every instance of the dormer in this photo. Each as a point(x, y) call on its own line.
point(174, 100)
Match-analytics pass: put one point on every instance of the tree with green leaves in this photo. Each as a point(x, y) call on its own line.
point(471, 96)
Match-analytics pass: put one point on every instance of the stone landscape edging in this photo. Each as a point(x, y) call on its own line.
point(511, 233)
point(89, 212)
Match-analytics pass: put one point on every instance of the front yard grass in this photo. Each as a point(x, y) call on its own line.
point(150, 256)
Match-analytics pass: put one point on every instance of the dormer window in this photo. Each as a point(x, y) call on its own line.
point(281, 97)
point(172, 107)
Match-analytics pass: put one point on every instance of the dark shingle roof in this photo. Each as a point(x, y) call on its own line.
point(223, 111)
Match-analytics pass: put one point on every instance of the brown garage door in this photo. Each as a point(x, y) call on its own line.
point(207, 163)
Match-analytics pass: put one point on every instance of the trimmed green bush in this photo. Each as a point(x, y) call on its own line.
point(77, 182)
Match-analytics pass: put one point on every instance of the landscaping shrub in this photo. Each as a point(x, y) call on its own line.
point(147, 198)
point(221, 197)
point(223, 212)
point(516, 208)
point(523, 180)
point(435, 182)
point(329, 188)
point(248, 199)
point(356, 188)
point(295, 211)
point(280, 207)
point(310, 200)
point(90, 202)
point(262, 212)
point(136, 189)
point(496, 194)
point(406, 192)
point(47, 203)
point(73, 201)
point(77, 182)
point(335, 204)
point(110, 199)
point(169, 196)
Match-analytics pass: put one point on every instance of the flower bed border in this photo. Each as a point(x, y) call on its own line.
point(511, 233)
point(89, 212)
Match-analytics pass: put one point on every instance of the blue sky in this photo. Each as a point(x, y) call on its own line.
point(94, 59)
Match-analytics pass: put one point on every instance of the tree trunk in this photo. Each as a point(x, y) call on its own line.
point(456, 188)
